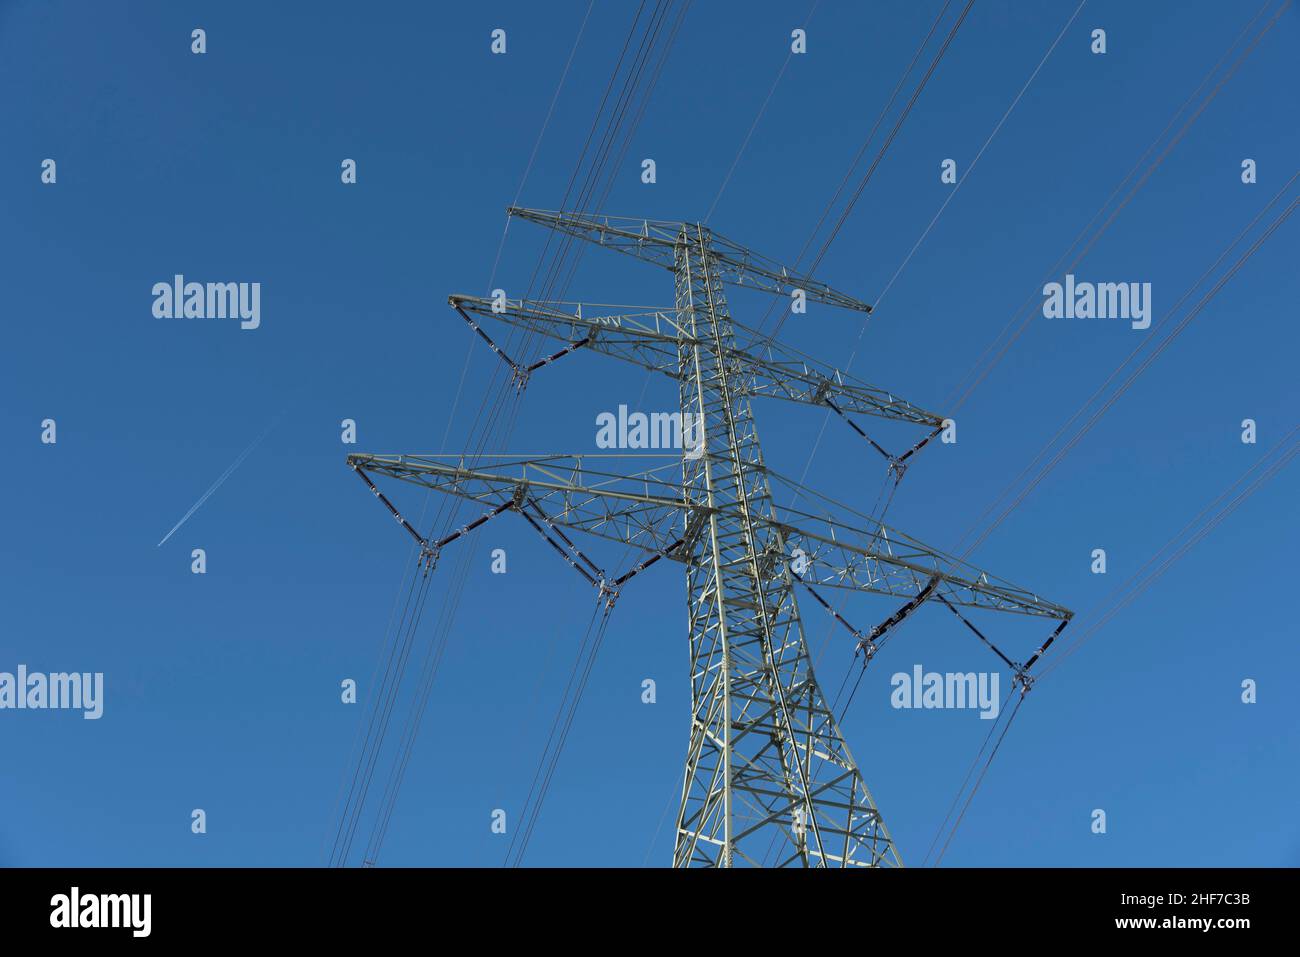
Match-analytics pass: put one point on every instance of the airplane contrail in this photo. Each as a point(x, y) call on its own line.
point(222, 478)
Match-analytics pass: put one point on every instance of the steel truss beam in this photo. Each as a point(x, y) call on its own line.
point(651, 339)
point(647, 510)
point(657, 242)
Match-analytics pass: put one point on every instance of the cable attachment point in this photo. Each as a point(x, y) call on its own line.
point(1024, 679)
point(868, 648)
point(520, 496)
point(428, 557)
point(609, 593)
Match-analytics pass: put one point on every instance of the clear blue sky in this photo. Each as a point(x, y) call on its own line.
point(222, 690)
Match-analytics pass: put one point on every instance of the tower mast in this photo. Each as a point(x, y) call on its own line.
point(767, 769)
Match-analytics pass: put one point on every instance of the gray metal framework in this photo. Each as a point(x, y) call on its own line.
point(767, 769)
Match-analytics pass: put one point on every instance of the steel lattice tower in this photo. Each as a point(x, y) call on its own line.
point(766, 765)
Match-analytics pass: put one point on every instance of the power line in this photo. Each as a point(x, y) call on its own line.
point(497, 409)
point(754, 125)
point(1146, 362)
point(966, 780)
point(960, 396)
point(562, 724)
point(980, 780)
point(880, 155)
point(532, 157)
point(853, 354)
point(853, 164)
point(1277, 466)
point(1136, 584)
point(387, 692)
point(975, 162)
point(1145, 341)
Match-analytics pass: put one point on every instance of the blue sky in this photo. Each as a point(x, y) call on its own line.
point(222, 690)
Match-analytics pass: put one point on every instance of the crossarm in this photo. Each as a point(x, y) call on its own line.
point(651, 338)
point(776, 371)
point(889, 563)
point(850, 550)
point(654, 241)
point(648, 339)
point(647, 510)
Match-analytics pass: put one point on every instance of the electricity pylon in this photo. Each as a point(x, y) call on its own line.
point(766, 765)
